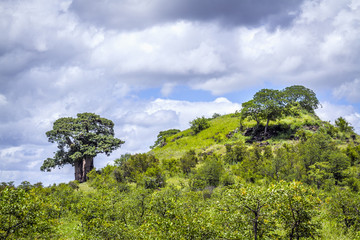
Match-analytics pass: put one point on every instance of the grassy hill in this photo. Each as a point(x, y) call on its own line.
point(225, 130)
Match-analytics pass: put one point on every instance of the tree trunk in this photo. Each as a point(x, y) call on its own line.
point(255, 226)
point(266, 127)
point(83, 167)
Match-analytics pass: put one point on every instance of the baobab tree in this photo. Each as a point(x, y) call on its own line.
point(79, 141)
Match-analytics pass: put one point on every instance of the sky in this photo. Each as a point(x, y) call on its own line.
point(152, 65)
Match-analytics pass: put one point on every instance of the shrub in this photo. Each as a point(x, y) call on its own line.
point(188, 161)
point(199, 124)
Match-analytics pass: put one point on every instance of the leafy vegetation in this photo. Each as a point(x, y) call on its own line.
point(270, 105)
point(79, 141)
point(227, 181)
point(161, 138)
point(199, 124)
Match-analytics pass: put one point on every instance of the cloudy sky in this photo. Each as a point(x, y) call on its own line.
point(151, 65)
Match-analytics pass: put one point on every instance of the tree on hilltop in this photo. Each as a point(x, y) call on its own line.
point(270, 105)
point(267, 104)
point(305, 97)
point(79, 141)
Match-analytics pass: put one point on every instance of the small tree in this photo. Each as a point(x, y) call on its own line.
point(344, 207)
point(271, 105)
point(267, 104)
point(79, 141)
point(252, 110)
point(161, 137)
point(211, 171)
point(343, 125)
point(188, 161)
point(251, 211)
point(297, 207)
point(199, 124)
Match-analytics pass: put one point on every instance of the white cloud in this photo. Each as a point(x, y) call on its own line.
point(187, 111)
point(167, 89)
point(177, 48)
point(224, 84)
point(322, 42)
point(349, 90)
point(3, 100)
point(54, 64)
point(331, 112)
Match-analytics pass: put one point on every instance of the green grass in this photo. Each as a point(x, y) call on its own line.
point(214, 138)
point(69, 228)
point(330, 231)
point(84, 187)
point(211, 138)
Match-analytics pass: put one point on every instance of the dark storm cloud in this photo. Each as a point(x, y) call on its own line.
point(127, 14)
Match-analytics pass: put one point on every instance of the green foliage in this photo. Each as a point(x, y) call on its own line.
point(253, 167)
point(316, 149)
point(353, 152)
point(144, 169)
point(267, 104)
point(171, 165)
point(161, 137)
point(343, 125)
point(251, 110)
point(297, 208)
point(208, 174)
point(271, 105)
point(80, 139)
point(301, 95)
point(339, 162)
point(251, 206)
point(216, 115)
point(212, 170)
point(86, 135)
point(188, 161)
point(105, 178)
point(235, 154)
point(199, 124)
point(344, 207)
point(218, 186)
point(286, 164)
point(24, 214)
point(222, 130)
point(74, 185)
point(123, 158)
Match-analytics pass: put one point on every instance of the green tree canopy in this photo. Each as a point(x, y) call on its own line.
point(252, 110)
point(270, 105)
point(305, 97)
point(267, 104)
point(79, 141)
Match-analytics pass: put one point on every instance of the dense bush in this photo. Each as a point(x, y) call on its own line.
point(199, 124)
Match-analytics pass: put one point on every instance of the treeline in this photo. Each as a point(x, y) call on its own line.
point(283, 210)
point(308, 189)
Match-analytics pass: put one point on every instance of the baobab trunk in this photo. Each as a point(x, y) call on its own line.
point(83, 167)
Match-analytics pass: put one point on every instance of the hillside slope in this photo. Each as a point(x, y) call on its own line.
point(226, 130)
